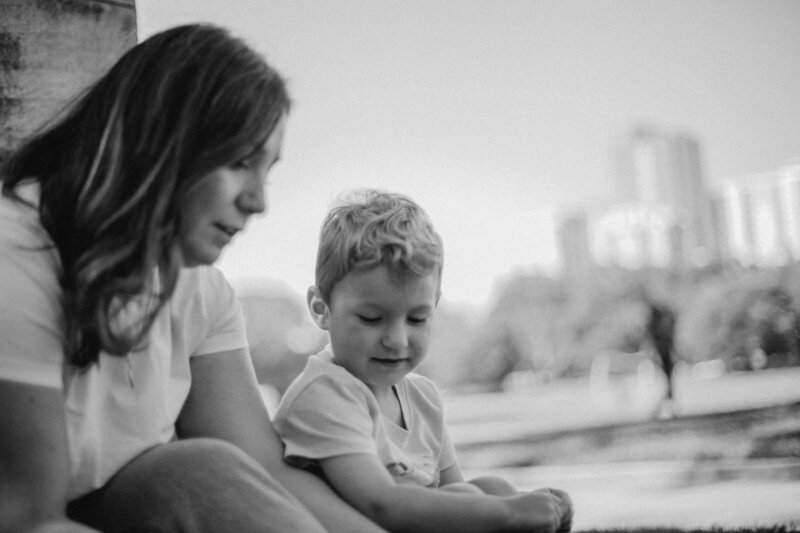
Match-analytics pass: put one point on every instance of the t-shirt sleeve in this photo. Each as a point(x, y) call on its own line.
point(216, 306)
point(31, 316)
point(433, 406)
point(328, 417)
point(448, 456)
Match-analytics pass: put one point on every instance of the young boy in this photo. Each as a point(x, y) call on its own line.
point(358, 415)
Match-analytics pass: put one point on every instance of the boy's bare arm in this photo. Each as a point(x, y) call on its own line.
point(363, 481)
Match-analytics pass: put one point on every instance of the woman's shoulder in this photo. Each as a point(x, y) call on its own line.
point(30, 297)
point(26, 250)
point(20, 224)
point(203, 300)
point(201, 283)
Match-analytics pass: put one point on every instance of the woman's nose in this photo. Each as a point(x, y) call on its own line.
point(253, 200)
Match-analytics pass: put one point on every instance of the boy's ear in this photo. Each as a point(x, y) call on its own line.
point(320, 313)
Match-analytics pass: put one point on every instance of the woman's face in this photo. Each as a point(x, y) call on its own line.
point(220, 206)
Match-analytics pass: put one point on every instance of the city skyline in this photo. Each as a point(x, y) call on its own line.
point(665, 215)
point(495, 116)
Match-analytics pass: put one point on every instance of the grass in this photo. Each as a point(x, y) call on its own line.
point(772, 529)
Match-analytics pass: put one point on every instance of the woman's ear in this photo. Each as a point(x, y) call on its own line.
point(320, 313)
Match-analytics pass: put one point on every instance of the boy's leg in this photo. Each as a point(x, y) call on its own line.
point(196, 485)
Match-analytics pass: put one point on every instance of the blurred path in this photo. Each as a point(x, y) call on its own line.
point(681, 493)
point(572, 404)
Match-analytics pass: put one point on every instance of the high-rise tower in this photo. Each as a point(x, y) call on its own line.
point(662, 171)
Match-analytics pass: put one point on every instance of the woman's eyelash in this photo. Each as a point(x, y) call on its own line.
point(247, 162)
point(251, 160)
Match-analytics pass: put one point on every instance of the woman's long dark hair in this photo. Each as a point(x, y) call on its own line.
point(116, 168)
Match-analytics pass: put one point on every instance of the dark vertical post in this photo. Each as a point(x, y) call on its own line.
point(49, 51)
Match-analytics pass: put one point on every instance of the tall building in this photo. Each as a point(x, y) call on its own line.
point(660, 182)
point(665, 170)
point(636, 235)
point(575, 247)
point(789, 198)
point(762, 217)
point(665, 217)
point(690, 202)
point(720, 229)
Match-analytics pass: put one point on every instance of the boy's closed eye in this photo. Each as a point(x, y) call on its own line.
point(416, 320)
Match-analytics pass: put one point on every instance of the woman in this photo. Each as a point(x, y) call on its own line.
point(129, 399)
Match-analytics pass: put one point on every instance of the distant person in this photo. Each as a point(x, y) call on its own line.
point(128, 400)
point(661, 332)
point(359, 416)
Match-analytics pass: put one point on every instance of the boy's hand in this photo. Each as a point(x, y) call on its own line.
point(542, 511)
point(567, 509)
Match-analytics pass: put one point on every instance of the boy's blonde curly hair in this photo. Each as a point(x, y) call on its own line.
point(368, 228)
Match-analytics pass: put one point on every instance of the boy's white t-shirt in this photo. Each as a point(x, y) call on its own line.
point(327, 411)
point(124, 405)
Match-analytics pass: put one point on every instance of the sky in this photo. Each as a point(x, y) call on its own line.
point(498, 115)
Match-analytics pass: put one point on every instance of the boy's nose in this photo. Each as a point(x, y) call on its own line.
point(395, 336)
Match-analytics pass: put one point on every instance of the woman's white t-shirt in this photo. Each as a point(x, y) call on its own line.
point(123, 405)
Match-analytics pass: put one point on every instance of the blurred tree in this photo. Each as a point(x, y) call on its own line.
point(280, 333)
point(522, 329)
point(749, 320)
point(702, 330)
point(610, 315)
point(536, 324)
point(454, 332)
point(493, 358)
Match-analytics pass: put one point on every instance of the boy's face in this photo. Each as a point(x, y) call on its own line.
point(379, 325)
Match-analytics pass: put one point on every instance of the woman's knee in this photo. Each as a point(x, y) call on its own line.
point(203, 454)
point(186, 468)
point(199, 481)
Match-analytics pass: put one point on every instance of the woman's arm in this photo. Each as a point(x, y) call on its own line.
point(225, 403)
point(363, 481)
point(34, 459)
